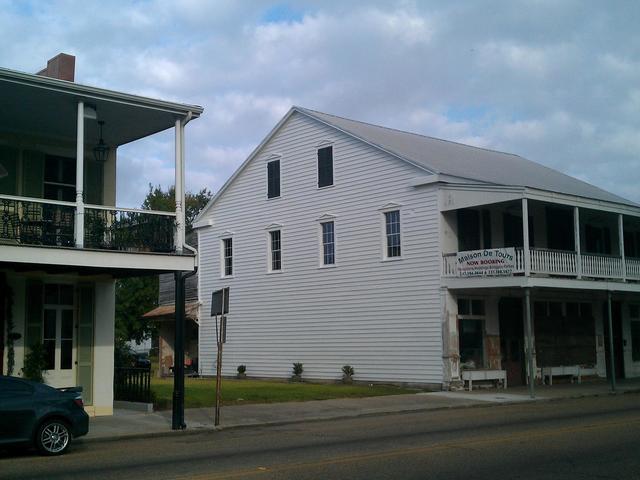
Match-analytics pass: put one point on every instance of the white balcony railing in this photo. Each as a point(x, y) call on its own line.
point(562, 263)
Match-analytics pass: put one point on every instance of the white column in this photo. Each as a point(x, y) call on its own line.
point(621, 243)
point(79, 227)
point(179, 182)
point(576, 236)
point(525, 237)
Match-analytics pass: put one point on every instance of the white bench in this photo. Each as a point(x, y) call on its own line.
point(563, 370)
point(477, 375)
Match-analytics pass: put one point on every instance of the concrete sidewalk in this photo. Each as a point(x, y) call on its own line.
point(132, 424)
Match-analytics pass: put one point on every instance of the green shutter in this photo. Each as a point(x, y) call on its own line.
point(86, 315)
point(9, 161)
point(33, 312)
point(32, 174)
point(93, 182)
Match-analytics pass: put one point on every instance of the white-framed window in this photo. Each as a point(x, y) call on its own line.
point(328, 237)
point(273, 178)
point(227, 257)
point(325, 166)
point(393, 243)
point(275, 250)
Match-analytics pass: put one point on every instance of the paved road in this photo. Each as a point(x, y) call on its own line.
point(583, 438)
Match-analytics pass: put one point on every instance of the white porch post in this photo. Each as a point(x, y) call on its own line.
point(525, 237)
point(79, 227)
point(179, 187)
point(529, 342)
point(576, 236)
point(621, 243)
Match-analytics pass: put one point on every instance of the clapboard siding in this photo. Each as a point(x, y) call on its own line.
point(381, 317)
point(167, 284)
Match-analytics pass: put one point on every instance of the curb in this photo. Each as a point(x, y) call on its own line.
point(211, 429)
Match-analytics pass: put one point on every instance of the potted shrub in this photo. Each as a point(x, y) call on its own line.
point(35, 363)
point(242, 372)
point(347, 374)
point(297, 372)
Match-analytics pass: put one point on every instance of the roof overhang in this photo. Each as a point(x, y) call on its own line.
point(47, 107)
point(165, 313)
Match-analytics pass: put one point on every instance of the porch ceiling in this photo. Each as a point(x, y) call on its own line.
point(48, 107)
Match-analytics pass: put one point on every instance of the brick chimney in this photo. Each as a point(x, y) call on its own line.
point(62, 66)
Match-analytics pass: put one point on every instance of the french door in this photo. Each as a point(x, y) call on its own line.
point(58, 335)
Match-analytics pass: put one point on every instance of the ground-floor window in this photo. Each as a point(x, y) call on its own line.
point(471, 325)
point(565, 333)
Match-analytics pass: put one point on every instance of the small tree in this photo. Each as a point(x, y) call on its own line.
point(347, 374)
point(242, 371)
point(35, 363)
point(297, 372)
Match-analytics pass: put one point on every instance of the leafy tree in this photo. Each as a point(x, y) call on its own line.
point(158, 199)
point(137, 295)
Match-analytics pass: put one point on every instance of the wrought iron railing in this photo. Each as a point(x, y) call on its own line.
point(132, 384)
point(37, 222)
point(128, 229)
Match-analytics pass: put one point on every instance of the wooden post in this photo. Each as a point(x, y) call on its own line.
point(612, 369)
point(576, 236)
point(529, 342)
point(79, 219)
point(621, 244)
point(219, 338)
point(525, 238)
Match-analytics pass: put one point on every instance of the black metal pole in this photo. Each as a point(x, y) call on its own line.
point(612, 369)
point(177, 419)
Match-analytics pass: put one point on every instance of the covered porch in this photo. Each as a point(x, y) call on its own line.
point(563, 338)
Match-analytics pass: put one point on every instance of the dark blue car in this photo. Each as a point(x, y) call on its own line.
point(33, 414)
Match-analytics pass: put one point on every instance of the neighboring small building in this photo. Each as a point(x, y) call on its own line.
point(164, 318)
point(63, 240)
point(412, 258)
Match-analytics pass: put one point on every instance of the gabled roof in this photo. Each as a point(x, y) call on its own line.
point(459, 160)
point(446, 158)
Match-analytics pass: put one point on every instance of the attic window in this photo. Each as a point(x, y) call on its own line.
point(273, 179)
point(325, 166)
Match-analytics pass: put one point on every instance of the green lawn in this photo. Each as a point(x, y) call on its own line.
point(201, 392)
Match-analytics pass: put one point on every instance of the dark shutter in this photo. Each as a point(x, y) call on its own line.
point(468, 230)
point(273, 179)
point(325, 167)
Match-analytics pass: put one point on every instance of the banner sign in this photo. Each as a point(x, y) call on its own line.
point(491, 262)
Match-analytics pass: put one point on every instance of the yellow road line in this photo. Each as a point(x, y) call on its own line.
point(406, 451)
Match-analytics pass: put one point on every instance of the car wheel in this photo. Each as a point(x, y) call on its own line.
point(53, 437)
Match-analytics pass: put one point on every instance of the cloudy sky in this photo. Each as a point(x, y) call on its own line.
point(555, 81)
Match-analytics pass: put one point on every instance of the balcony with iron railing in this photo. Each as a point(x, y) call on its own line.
point(42, 222)
point(561, 263)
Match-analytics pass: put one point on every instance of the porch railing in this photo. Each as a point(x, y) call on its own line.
point(132, 384)
point(563, 263)
point(128, 229)
point(36, 221)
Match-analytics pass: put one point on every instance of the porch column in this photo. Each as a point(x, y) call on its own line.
point(179, 186)
point(525, 237)
point(612, 367)
point(621, 243)
point(576, 236)
point(79, 224)
point(529, 342)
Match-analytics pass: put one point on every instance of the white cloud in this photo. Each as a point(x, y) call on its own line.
point(555, 82)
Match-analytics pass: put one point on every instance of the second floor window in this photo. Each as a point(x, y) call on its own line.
point(60, 178)
point(392, 231)
point(273, 179)
point(227, 253)
point(328, 243)
point(275, 251)
point(325, 167)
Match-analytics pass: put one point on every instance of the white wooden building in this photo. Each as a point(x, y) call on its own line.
point(63, 240)
point(344, 243)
